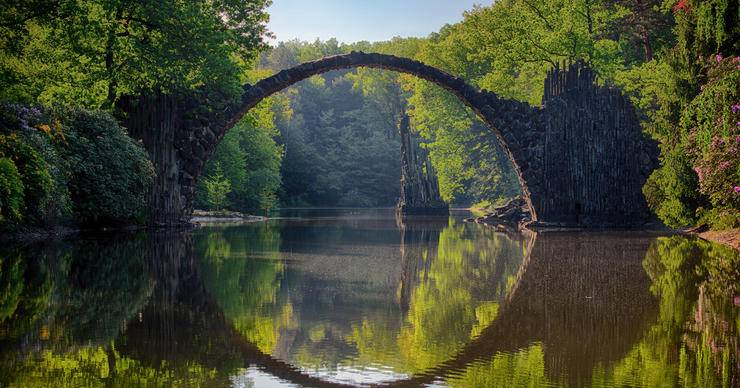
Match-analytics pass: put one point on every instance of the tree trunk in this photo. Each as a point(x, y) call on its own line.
point(647, 45)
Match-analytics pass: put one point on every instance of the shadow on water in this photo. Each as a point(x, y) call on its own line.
point(341, 301)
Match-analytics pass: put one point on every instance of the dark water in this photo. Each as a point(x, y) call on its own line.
point(333, 297)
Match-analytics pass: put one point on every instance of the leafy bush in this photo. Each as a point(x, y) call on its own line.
point(11, 192)
point(670, 191)
point(72, 159)
point(110, 174)
point(38, 183)
point(32, 127)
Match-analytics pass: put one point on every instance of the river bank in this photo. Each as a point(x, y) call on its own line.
point(223, 217)
point(28, 235)
point(729, 237)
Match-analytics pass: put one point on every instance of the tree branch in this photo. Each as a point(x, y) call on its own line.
point(539, 13)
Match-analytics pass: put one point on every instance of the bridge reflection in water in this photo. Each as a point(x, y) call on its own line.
point(343, 300)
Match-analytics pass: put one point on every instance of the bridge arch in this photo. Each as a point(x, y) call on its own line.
point(581, 158)
point(495, 112)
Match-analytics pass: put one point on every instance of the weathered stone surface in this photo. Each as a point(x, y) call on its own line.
point(419, 186)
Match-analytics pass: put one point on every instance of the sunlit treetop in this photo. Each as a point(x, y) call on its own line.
point(101, 49)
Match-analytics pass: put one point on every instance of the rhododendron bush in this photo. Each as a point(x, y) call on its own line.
point(712, 125)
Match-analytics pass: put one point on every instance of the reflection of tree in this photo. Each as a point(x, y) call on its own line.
point(242, 270)
point(180, 338)
point(522, 368)
point(457, 294)
point(695, 339)
point(106, 287)
point(11, 284)
point(72, 296)
point(24, 292)
point(454, 276)
point(584, 313)
point(566, 313)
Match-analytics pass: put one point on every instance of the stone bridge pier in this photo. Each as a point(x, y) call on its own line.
point(581, 157)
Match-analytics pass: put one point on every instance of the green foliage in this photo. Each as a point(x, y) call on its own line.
point(250, 159)
point(74, 160)
point(686, 96)
point(507, 48)
point(38, 183)
point(671, 190)
point(89, 53)
point(11, 192)
point(339, 142)
point(34, 127)
point(217, 188)
point(110, 174)
point(710, 124)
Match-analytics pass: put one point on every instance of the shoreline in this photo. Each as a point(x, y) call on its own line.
point(730, 237)
point(211, 220)
point(203, 217)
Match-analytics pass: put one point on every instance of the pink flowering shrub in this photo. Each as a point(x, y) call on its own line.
point(711, 126)
point(718, 170)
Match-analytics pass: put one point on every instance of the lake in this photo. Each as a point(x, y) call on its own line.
point(347, 297)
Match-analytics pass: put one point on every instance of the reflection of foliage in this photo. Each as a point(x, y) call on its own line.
point(485, 313)
point(459, 295)
point(11, 284)
point(90, 367)
point(694, 342)
point(523, 368)
point(70, 294)
point(241, 270)
point(105, 287)
point(25, 289)
point(467, 272)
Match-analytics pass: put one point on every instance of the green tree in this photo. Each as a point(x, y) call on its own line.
point(217, 188)
point(339, 142)
point(37, 182)
point(686, 95)
point(250, 158)
point(92, 52)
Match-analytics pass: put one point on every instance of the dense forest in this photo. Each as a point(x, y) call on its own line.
point(332, 140)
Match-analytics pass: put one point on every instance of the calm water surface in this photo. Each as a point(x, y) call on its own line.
point(351, 297)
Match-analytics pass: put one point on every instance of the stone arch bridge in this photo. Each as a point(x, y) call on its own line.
point(581, 157)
